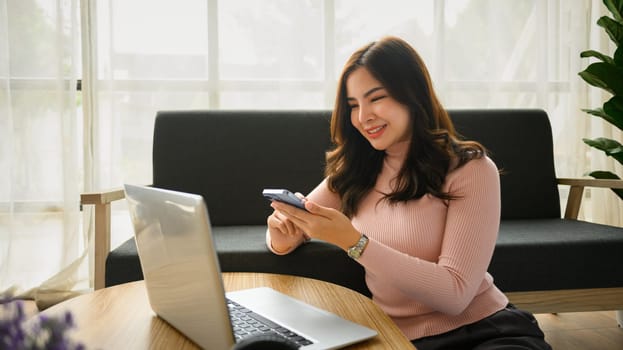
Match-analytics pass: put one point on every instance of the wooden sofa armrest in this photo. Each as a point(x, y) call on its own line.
point(577, 188)
point(101, 201)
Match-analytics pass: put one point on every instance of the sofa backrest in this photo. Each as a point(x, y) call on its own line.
point(228, 157)
point(520, 142)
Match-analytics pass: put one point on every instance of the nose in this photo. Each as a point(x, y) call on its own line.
point(365, 114)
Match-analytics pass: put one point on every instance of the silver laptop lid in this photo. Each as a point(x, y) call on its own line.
point(181, 270)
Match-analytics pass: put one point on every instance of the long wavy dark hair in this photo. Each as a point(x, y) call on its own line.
point(353, 165)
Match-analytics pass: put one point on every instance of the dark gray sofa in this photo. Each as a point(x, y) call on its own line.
point(545, 263)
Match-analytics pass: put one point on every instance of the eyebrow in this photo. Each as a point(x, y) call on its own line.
point(369, 92)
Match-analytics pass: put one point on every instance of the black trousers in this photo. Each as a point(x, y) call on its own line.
point(509, 328)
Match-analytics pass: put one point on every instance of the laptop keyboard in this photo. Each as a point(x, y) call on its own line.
point(246, 323)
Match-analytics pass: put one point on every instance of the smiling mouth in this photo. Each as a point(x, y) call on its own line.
point(374, 132)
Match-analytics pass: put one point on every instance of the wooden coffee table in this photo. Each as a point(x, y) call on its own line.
point(120, 317)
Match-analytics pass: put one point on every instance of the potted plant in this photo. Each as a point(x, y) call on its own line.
point(607, 74)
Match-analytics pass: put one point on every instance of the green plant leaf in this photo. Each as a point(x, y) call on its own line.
point(616, 8)
point(610, 147)
point(618, 57)
point(599, 112)
point(598, 55)
point(604, 75)
point(614, 118)
point(614, 110)
point(607, 175)
point(602, 174)
point(613, 28)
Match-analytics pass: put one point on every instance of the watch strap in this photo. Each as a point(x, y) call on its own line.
point(356, 250)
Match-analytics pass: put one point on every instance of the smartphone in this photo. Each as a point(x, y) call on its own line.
point(283, 195)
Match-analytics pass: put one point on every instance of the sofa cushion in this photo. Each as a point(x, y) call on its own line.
point(243, 249)
point(545, 254)
point(550, 254)
point(123, 265)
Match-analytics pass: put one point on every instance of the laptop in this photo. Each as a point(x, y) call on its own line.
point(185, 287)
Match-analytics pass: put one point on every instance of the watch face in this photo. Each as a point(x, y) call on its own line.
point(354, 253)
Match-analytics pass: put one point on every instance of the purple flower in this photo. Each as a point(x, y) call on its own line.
point(48, 333)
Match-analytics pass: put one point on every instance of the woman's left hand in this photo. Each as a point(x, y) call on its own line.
point(320, 222)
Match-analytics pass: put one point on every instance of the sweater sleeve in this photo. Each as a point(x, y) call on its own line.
point(449, 284)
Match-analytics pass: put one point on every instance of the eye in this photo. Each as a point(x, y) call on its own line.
point(377, 98)
point(353, 106)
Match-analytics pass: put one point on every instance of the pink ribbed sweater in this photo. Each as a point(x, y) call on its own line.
point(426, 262)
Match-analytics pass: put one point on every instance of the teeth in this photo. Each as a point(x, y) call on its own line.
point(372, 131)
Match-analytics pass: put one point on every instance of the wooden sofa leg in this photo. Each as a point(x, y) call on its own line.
point(102, 202)
point(102, 243)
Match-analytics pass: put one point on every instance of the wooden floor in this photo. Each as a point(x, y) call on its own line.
point(566, 331)
point(582, 330)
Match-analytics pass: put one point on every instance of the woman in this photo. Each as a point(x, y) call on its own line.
point(418, 208)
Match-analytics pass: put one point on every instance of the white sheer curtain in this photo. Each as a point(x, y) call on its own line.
point(40, 150)
point(142, 56)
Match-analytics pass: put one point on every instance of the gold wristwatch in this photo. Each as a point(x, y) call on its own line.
point(356, 250)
